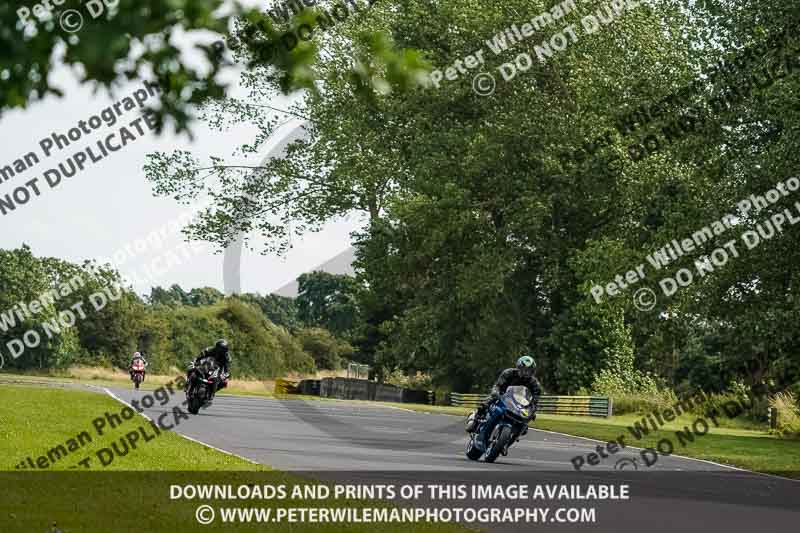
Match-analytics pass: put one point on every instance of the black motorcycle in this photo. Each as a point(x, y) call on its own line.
point(203, 383)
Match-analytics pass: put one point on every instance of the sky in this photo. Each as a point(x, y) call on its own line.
point(110, 204)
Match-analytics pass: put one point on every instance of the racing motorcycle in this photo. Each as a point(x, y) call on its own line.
point(137, 372)
point(505, 422)
point(203, 383)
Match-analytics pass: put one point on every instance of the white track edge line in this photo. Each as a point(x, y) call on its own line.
point(226, 452)
point(674, 455)
point(449, 414)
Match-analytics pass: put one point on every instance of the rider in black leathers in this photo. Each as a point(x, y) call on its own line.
point(521, 375)
point(221, 354)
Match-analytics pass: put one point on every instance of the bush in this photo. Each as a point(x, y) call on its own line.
point(641, 403)
point(259, 348)
point(636, 393)
point(755, 408)
point(327, 350)
point(418, 381)
point(788, 414)
point(295, 358)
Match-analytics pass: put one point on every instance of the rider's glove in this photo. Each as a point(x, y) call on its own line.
point(191, 365)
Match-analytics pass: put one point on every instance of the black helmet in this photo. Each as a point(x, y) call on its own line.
point(526, 365)
point(221, 346)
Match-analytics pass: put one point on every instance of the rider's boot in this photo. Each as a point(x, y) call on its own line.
point(475, 418)
point(471, 423)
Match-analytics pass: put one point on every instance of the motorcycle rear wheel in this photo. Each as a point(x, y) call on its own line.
point(496, 447)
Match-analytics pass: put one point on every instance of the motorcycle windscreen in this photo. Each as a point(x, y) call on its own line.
point(520, 396)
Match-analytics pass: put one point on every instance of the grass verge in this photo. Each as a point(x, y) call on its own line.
point(134, 493)
point(36, 420)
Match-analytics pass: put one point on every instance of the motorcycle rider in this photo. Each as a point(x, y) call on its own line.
point(221, 354)
point(521, 375)
point(136, 356)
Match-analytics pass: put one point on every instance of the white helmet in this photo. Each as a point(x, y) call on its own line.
point(137, 354)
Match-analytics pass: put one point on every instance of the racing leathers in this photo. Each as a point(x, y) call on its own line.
point(508, 378)
point(223, 359)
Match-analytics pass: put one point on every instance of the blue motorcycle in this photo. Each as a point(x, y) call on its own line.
point(506, 421)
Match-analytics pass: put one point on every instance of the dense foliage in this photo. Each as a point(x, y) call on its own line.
point(158, 40)
point(170, 327)
point(482, 238)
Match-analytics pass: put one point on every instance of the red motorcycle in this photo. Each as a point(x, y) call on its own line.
point(137, 372)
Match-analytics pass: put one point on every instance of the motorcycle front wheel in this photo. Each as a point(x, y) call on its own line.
point(499, 444)
point(473, 453)
point(197, 397)
point(194, 405)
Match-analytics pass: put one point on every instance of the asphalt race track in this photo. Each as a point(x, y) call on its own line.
point(368, 443)
point(339, 435)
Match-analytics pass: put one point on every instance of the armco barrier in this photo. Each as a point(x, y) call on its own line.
point(388, 393)
point(361, 389)
point(309, 387)
point(353, 389)
point(347, 389)
point(416, 396)
point(466, 400)
point(600, 406)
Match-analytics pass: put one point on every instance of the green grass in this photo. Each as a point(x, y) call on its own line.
point(747, 449)
point(133, 492)
point(36, 419)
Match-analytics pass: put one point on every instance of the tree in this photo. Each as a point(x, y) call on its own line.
point(177, 296)
point(205, 296)
point(280, 310)
point(489, 219)
point(26, 279)
point(131, 38)
point(122, 43)
point(328, 351)
point(328, 300)
point(326, 175)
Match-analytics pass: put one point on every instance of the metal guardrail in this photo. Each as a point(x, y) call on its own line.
point(772, 418)
point(431, 397)
point(357, 371)
point(354, 389)
point(466, 400)
point(600, 406)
